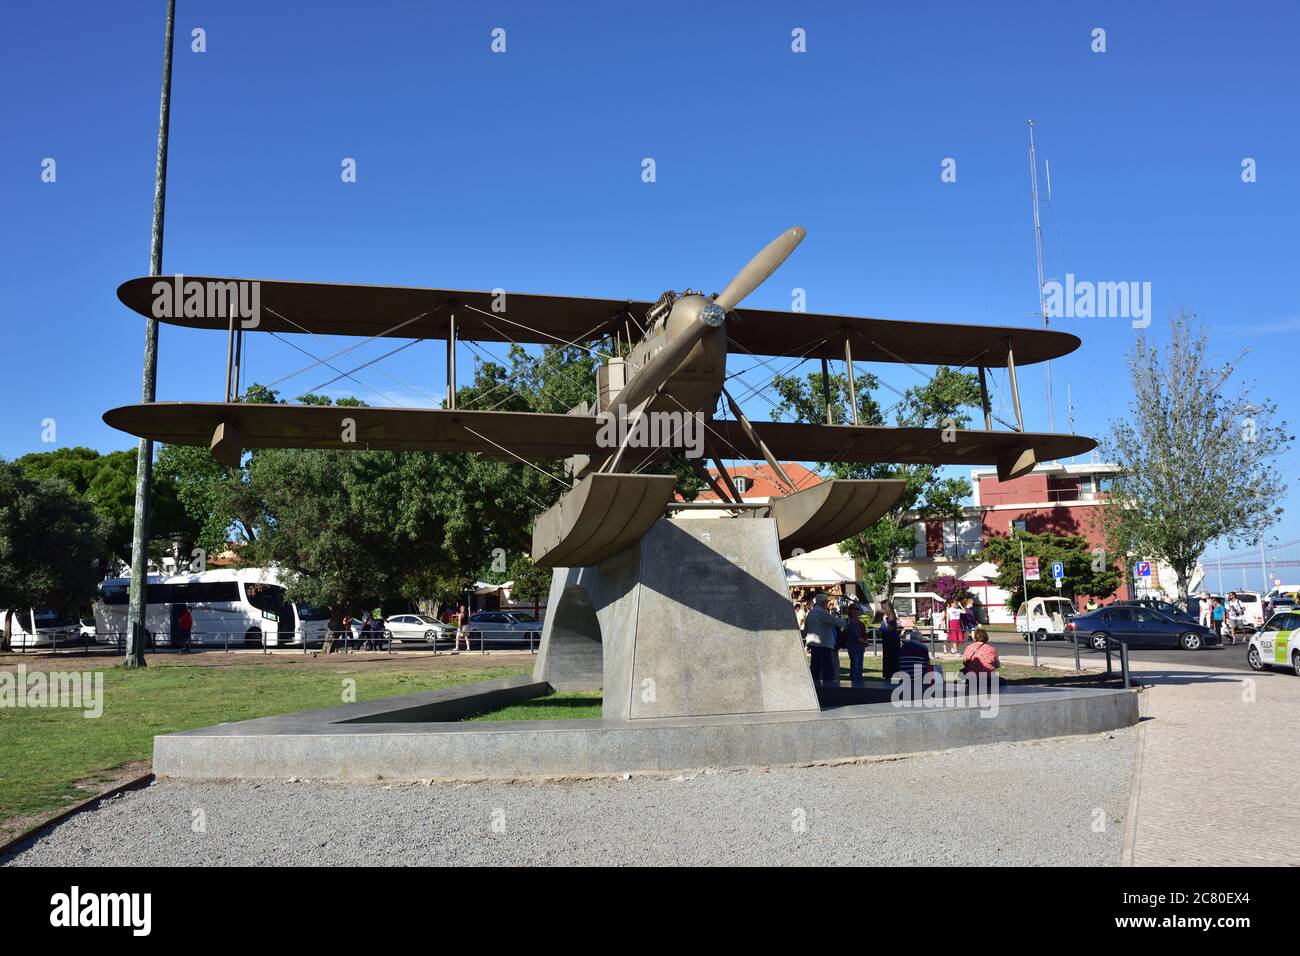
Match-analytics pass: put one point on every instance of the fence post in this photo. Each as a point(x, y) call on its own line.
point(1123, 662)
point(1075, 637)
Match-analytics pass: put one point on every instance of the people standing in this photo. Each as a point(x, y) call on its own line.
point(968, 620)
point(856, 643)
point(462, 629)
point(1204, 610)
point(890, 639)
point(954, 627)
point(1236, 616)
point(184, 625)
point(1217, 614)
point(821, 627)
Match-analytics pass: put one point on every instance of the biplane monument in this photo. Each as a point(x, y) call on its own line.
point(671, 618)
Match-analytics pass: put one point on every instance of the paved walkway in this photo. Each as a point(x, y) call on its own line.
point(1216, 777)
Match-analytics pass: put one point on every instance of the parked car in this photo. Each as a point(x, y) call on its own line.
point(1277, 601)
point(1043, 618)
point(505, 627)
point(1273, 646)
point(418, 627)
point(1177, 612)
point(1140, 627)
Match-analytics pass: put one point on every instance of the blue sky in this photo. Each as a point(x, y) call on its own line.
point(523, 170)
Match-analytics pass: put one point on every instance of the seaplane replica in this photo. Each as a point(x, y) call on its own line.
point(643, 605)
point(674, 364)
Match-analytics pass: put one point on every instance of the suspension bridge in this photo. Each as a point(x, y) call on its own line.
point(1261, 564)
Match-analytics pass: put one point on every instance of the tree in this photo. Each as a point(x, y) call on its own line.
point(928, 495)
point(107, 482)
point(1086, 570)
point(50, 540)
point(1196, 464)
point(529, 582)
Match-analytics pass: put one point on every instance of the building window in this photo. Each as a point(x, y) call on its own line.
point(742, 484)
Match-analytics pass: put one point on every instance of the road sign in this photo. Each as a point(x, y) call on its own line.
point(1142, 569)
point(1058, 570)
point(1031, 569)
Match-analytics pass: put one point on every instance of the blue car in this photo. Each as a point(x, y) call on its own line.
point(1139, 627)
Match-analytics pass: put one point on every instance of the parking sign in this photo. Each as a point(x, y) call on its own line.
point(1142, 569)
point(1058, 570)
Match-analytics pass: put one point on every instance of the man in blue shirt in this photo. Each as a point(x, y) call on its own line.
point(913, 662)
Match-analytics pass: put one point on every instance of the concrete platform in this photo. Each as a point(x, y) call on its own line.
point(422, 736)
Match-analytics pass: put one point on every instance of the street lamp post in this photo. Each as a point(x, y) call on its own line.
point(139, 596)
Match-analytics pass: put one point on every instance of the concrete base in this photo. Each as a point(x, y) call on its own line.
point(693, 620)
point(412, 737)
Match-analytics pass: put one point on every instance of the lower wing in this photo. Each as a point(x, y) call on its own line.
point(497, 434)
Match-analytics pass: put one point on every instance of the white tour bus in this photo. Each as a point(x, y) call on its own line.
point(42, 627)
point(240, 607)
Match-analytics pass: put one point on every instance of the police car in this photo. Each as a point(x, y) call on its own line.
point(1277, 644)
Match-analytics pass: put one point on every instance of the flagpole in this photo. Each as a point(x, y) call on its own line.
point(139, 595)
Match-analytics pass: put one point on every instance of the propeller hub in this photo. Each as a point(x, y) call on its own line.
point(713, 315)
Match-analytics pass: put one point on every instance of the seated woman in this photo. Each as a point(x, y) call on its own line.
point(980, 657)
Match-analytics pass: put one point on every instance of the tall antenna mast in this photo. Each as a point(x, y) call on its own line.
point(1038, 249)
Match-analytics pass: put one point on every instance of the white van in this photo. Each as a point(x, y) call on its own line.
point(239, 607)
point(42, 627)
point(1044, 618)
point(1253, 618)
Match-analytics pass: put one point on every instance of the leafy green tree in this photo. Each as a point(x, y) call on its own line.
point(530, 583)
point(50, 542)
point(928, 495)
point(1196, 463)
point(1087, 571)
point(107, 482)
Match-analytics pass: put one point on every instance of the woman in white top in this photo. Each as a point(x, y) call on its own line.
point(954, 627)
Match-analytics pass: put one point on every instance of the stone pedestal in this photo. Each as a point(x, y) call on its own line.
point(693, 620)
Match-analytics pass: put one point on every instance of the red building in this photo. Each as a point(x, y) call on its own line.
point(1058, 498)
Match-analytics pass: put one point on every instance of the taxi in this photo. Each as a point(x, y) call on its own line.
point(1277, 643)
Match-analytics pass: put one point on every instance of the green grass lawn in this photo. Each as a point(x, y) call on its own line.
point(584, 705)
point(44, 753)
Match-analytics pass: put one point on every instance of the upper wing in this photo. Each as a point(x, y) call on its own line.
point(527, 435)
point(324, 308)
point(763, 332)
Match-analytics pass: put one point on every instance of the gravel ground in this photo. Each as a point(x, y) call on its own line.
point(1036, 803)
